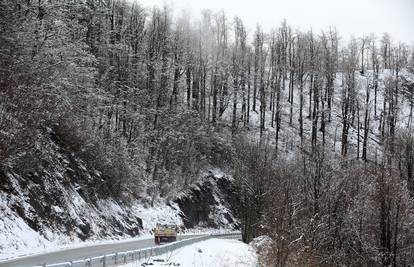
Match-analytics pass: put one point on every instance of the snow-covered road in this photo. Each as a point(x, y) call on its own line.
point(214, 252)
point(80, 253)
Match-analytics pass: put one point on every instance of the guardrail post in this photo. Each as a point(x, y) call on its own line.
point(104, 261)
point(116, 259)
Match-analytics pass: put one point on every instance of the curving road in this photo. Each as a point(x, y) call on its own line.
point(82, 252)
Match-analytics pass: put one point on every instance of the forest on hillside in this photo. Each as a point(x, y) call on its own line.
point(316, 130)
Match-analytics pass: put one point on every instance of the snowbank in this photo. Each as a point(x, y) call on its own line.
point(212, 253)
point(261, 245)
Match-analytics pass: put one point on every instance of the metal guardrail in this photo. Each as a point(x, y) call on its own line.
point(124, 257)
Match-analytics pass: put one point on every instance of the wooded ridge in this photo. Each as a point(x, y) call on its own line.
point(316, 131)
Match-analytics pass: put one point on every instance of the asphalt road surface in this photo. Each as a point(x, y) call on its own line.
point(81, 253)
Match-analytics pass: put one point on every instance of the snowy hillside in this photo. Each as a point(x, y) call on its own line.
point(106, 220)
point(52, 212)
point(115, 116)
point(289, 141)
point(29, 233)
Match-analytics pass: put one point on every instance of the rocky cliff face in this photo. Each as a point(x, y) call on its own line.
point(213, 203)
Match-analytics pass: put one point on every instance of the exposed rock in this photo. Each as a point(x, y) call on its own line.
point(212, 203)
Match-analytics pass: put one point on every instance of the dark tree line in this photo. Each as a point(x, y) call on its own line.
point(320, 210)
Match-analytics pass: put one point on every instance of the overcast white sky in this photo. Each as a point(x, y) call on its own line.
point(356, 17)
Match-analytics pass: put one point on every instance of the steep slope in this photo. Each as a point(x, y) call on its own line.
point(63, 202)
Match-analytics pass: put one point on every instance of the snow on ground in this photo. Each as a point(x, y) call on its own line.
point(16, 234)
point(214, 252)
